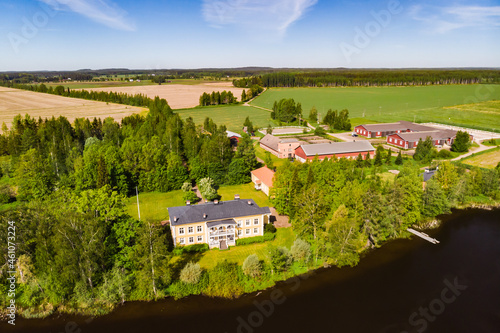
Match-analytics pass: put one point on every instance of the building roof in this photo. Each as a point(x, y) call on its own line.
point(231, 134)
point(265, 175)
point(216, 223)
point(337, 148)
point(428, 174)
point(435, 135)
point(272, 141)
point(215, 212)
point(401, 125)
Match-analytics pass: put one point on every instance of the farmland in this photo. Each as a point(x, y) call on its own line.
point(488, 159)
point(385, 104)
point(14, 102)
point(178, 96)
point(231, 116)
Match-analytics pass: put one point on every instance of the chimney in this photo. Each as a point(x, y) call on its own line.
point(175, 218)
point(204, 216)
point(236, 197)
point(188, 203)
point(249, 202)
point(216, 202)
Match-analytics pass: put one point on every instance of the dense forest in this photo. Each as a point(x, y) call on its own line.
point(338, 78)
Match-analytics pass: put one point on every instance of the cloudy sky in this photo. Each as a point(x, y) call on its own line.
point(154, 34)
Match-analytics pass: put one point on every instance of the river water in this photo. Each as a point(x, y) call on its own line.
point(406, 286)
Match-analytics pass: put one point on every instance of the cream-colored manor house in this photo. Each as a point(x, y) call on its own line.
point(218, 224)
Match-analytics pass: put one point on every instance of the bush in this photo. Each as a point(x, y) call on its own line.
point(224, 280)
point(195, 248)
point(280, 258)
point(191, 273)
point(252, 266)
point(257, 239)
point(269, 228)
point(443, 153)
point(301, 250)
point(6, 194)
point(180, 289)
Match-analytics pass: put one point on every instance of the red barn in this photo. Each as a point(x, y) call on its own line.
point(338, 149)
point(410, 140)
point(381, 130)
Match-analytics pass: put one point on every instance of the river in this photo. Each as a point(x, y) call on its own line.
point(406, 286)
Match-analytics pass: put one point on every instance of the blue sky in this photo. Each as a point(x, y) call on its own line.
point(152, 34)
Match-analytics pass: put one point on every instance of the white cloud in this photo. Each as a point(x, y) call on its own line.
point(101, 11)
point(445, 19)
point(271, 15)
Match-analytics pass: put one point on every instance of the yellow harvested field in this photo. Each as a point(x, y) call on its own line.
point(178, 96)
point(487, 160)
point(15, 101)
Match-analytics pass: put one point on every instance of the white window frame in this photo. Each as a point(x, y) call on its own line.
point(190, 230)
point(247, 222)
point(247, 232)
point(255, 231)
point(181, 241)
point(191, 240)
point(200, 238)
point(199, 228)
point(181, 231)
point(255, 221)
point(239, 223)
point(239, 232)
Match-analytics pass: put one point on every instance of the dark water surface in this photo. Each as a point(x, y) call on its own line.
point(406, 286)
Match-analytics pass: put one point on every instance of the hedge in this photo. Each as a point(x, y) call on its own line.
point(257, 239)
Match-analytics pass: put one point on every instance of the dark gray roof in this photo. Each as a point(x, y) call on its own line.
point(215, 212)
point(272, 141)
point(428, 175)
point(337, 148)
point(216, 223)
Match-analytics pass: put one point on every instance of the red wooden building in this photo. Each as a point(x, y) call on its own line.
point(410, 140)
point(382, 130)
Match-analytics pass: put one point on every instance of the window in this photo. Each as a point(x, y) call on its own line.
point(239, 224)
point(255, 231)
point(190, 230)
point(181, 240)
point(239, 232)
point(181, 231)
point(247, 222)
point(289, 149)
point(200, 238)
point(256, 221)
point(247, 231)
point(199, 228)
point(191, 240)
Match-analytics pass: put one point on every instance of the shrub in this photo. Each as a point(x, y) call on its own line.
point(224, 280)
point(280, 258)
point(269, 228)
point(252, 266)
point(195, 248)
point(443, 153)
point(191, 273)
point(300, 250)
point(257, 239)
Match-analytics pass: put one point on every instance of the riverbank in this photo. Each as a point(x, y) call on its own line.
point(266, 282)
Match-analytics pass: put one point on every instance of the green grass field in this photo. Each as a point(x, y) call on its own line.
point(285, 237)
point(246, 191)
point(154, 205)
point(261, 153)
point(232, 116)
point(386, 104)
point(487, 159)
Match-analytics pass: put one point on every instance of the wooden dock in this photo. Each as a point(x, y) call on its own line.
point(423, 235)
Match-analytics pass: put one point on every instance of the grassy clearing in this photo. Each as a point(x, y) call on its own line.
point(154, 205)
point(487, 159)
point(261, 153)
point(285, 237)
point(491, 142)
point(246, 191)
point(232, 116)
point(386, 104)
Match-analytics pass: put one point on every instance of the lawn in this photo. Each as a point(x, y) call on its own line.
point(285, 237)
point(387, 104)
point(261, 153)
point(246, 191)
point(488, 159)
point(154, 205)
point(232, 116)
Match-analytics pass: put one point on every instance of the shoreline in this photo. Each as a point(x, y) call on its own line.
point(104, 310)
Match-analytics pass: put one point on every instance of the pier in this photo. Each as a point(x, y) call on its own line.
point(423, 235)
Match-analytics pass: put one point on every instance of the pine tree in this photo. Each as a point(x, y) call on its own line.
point(399, 159)
point(359, 161)
point(388, 157)
point(368, 161)
point(378, 156)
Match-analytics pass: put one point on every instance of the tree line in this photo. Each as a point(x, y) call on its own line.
point(217, 98)
point(355, 78)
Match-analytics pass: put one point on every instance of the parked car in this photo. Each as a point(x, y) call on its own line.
point(354, 134)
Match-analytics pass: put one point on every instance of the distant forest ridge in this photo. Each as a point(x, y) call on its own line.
point(279, 77)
